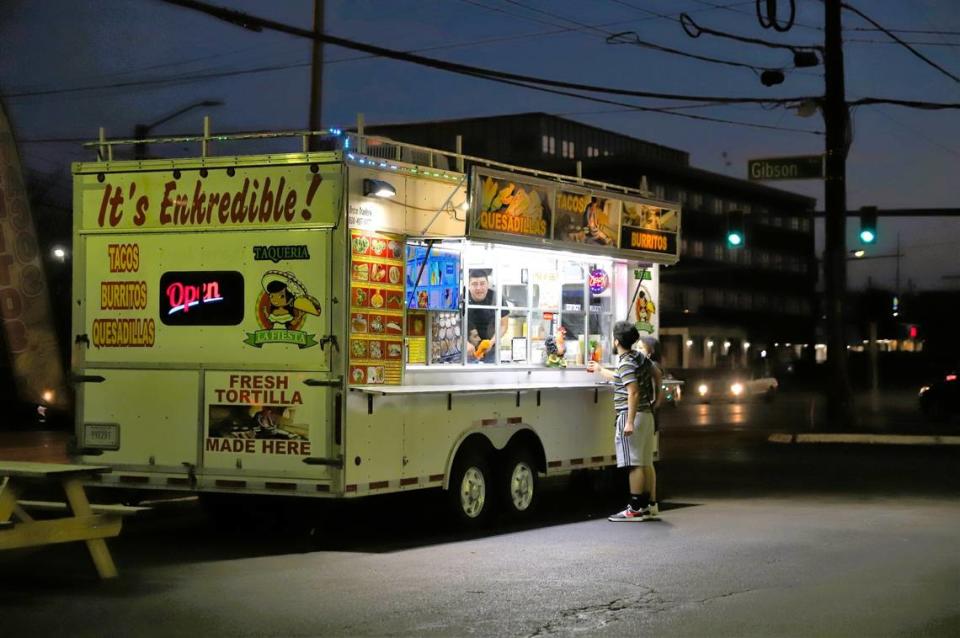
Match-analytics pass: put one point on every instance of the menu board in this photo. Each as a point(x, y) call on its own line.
point(586, 218)
point(376, 308)
point(416, 337)
point(509, 206)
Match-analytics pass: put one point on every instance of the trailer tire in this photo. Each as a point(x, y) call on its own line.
point(471, 489)
point(518, 482)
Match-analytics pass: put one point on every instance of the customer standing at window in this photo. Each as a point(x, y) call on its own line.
point(482, 333)
point(635, 380)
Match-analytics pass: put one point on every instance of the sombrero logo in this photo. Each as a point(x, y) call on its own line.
point(282, 309)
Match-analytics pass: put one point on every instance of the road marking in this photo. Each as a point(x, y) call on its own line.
point(873, 439)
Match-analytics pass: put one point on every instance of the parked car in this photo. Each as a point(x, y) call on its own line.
point(941, 399)
point(735, 387)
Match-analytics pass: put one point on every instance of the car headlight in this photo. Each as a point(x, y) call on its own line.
point(924, 390)
point(702, 389)
point(736, 389)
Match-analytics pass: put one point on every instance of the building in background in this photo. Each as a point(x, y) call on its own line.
point(720, 306)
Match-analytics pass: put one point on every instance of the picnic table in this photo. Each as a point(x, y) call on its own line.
point(18, 529)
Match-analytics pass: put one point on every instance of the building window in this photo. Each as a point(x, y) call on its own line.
point(746, 256)
point(804, 224)
point(764, 258)
point(684, 246)
point(659, 191)
point(549, 145)
point(698, 248)
point(717, 207)
point(794, 223)
point(746, 208)
point(697, 200)
point(718, 252)
point(682, 196)
point(777, 261)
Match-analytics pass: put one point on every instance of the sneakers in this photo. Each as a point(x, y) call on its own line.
point(628, 514)
point(649, 513)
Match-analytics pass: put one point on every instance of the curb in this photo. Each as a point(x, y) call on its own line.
point(870, 439)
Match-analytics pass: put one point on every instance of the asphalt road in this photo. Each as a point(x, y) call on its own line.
point(756, 539)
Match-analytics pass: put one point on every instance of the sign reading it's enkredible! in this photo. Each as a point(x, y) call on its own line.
point(257, 196)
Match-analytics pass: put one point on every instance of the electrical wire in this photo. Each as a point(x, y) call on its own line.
point(914, 104)
point(694, 31)
point(770, 20)
point(614, 38)
point(909, 48)
point(914, 43)
point(257, 23)
point(662, 111)
point(913, 31)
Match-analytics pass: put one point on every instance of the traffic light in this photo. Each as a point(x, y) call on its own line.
point(868, 225)
point(735, 237)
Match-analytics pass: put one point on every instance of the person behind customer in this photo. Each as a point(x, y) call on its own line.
point(635, 380)
point(483, 320)
point(650, 347)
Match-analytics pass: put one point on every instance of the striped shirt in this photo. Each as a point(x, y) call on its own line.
point(633, 367)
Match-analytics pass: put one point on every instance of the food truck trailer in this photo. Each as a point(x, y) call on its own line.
point(375, 317)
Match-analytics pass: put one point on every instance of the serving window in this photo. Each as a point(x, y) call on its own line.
point(513, 301)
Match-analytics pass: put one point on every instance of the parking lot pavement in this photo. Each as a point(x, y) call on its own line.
point(818, 564)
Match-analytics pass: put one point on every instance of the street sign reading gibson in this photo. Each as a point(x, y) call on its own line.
point(797, 167)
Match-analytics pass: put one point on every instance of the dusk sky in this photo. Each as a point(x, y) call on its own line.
point(156, 58)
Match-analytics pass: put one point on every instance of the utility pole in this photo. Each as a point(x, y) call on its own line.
point(836, 119)
point(316, 81)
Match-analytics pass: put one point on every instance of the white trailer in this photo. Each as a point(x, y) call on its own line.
point(303, 324)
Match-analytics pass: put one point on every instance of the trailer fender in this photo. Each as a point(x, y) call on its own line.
point(491, 439)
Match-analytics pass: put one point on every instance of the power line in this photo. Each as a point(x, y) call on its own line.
point(198, 77)
point(257, 23)
point(914, 31)
point(914, 104)
point(612, 38)
point(909, 48)
point(914, 43)
point(663, 111)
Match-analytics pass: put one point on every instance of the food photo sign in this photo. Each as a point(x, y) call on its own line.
point(376, 308)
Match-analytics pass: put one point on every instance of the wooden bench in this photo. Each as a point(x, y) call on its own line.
point(98, 508)
point(82, 523)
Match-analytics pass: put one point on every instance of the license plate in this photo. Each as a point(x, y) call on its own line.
point(102, 436)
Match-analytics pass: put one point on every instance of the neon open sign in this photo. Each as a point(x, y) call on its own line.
point(201, 298)
point(599, 280)
point(183, 296)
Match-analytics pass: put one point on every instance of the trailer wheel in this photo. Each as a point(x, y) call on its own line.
point(471, 489)
point(518, 482)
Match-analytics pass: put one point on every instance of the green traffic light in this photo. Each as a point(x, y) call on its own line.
point(867, 236)
point(734, 239)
